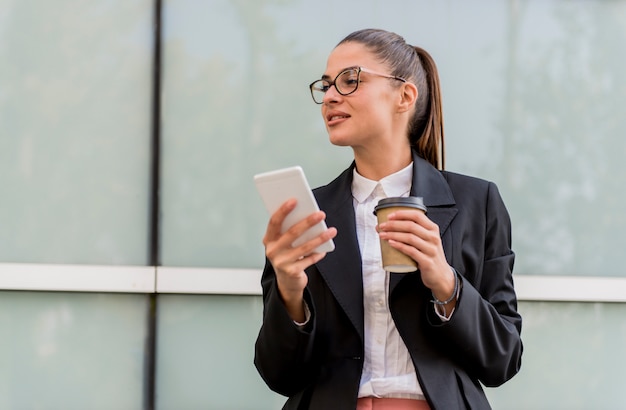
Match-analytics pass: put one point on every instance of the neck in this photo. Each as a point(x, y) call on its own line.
point(375, 164)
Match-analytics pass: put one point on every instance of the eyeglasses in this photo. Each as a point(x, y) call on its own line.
point(345, 83)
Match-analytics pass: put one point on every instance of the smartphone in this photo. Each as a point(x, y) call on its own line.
point(278, 186)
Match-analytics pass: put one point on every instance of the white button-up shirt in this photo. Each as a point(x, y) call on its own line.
point(388, 370)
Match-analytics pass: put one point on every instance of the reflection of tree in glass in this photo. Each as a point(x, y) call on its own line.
point(564, 126)
point(74, 127)
point(252, 113)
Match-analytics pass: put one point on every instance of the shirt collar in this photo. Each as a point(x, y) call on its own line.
point(397, 184)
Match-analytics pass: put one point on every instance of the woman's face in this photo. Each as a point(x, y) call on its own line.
point(367, 117)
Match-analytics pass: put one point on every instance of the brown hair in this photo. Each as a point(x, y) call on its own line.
point(414, 64)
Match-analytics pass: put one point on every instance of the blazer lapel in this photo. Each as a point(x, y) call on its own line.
point(341, 269)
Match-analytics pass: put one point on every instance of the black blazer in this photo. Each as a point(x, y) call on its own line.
point(319, 366)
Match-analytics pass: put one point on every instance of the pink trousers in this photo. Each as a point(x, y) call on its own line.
point(375, 403)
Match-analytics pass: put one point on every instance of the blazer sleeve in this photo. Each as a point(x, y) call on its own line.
point(283, 349)
point(484, 331)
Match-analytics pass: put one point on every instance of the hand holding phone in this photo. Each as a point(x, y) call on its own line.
point(278, 186)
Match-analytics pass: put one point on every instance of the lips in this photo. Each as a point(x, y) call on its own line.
point(336, 117)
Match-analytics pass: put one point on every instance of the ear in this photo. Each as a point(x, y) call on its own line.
point(408, 96)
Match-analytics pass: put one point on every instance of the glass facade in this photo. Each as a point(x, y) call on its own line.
point(72, 350)
point(533, 96)
point(572, 356)
point(75, 131)
point(205, 353)
point(531, 102)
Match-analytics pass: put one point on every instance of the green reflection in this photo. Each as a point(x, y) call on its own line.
point(573, 356)
point(205, 354)
point(561, 161)
point(74, 131)
point(71, 350)
point(532, 94)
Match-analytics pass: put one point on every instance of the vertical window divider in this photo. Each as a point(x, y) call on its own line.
point(150, 355)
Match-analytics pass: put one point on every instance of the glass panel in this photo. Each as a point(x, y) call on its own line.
point(556, 134)
point(75, 131)
point(234, 108)
point(71, 350)
point(206, 351)
point(206, 346)
point(573, 356)
point(535, 108)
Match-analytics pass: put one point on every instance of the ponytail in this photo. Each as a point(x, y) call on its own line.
point(426, 131)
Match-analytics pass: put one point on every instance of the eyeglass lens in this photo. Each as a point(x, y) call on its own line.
point(346, 83)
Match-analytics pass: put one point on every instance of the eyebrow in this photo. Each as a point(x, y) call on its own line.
point(327, 77)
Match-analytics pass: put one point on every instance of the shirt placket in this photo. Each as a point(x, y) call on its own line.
point(379, 299)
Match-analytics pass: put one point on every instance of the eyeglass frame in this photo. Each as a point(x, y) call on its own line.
point(359, 70)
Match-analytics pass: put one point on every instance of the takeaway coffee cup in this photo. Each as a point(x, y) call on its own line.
point(393, 259)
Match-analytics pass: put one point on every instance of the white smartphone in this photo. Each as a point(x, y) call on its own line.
point(278, 186)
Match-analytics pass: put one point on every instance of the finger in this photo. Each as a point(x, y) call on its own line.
point(304, 250)
point(277, 218)
point(411, 251)
point(424, 253)
point(310, 246)
point(292, 265)
point(306, 261)
point(420, 225)
point(416, 216)
point(409, 233)
point(405, 226)
point(282, 246)
point(274, 226)
point(305, 224)
point(409, 240)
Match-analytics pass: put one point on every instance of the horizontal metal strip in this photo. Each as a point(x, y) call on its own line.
point(528, 288)
point(77, 278)
point(208, 281)
point(185, 280)
point(570, 288)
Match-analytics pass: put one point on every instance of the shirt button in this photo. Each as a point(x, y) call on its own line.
point(381, 302)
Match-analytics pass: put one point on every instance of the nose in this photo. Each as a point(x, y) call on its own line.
point(331, 95)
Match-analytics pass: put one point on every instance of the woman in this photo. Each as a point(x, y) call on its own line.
point(338, 331)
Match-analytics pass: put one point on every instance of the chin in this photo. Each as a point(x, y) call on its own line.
point(339, 143)
point(339, 140)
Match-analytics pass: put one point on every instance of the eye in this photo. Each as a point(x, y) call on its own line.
point(348, 78)
point(322, 86)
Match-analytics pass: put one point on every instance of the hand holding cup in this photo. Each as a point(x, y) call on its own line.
point(394, 260)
